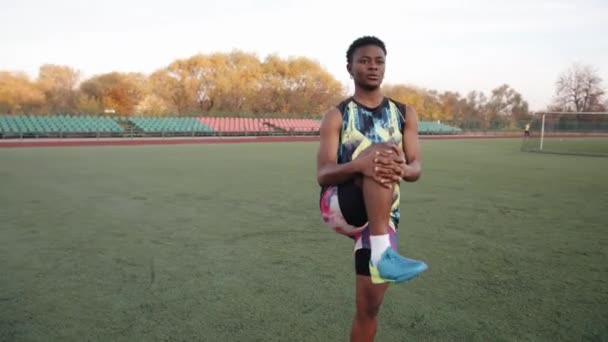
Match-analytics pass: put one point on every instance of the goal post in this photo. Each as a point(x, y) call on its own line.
point(578, 133)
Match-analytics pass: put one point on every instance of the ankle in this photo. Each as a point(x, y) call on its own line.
point(379, 244)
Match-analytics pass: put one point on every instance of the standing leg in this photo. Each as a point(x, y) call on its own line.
point(368, 301)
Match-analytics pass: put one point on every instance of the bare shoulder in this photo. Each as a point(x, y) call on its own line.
point(331, 118)
point(410, 113)
point(332, 113)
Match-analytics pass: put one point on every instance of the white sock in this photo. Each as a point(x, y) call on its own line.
point(379, 244)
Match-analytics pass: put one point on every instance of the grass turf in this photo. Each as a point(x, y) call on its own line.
point(597, 146)
point(224, 242)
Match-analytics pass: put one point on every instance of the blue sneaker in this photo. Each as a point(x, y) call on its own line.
point(394, 268)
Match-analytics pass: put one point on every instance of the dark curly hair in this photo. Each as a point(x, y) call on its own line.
point(363, 41)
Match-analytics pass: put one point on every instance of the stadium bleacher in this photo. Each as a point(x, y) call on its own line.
point(169, 125)
point(233, 125)
point(256, 125)
point(58, 125)
point(435, 127)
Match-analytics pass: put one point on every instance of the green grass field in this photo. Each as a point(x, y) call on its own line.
point(569, 145)
point(225, 243)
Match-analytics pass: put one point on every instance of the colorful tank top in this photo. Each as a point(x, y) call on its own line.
point(363, 126)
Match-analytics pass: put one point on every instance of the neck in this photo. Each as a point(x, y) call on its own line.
point(369, 98)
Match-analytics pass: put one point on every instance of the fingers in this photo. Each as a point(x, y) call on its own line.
point(396, 149)
point(390, 174)
point(383, 160)
point(390, 150)
point(398, 159)
point(383, 148)
point(373, 151)
point(379, 169)
point(392, 177)
point(397, 170)
point(383, 181)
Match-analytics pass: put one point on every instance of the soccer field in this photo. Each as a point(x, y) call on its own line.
point(597, 146)
point(225, 243)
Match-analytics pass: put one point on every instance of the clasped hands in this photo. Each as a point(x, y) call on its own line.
point(383, 162)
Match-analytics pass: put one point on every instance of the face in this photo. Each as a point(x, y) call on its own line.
point(367, 67)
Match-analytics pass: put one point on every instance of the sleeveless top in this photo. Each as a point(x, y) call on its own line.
point(363, 126)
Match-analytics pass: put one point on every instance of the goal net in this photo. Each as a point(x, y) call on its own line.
point(567, 133)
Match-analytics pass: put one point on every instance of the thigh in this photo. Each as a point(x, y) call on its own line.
point(350, 198)
point(334, 213)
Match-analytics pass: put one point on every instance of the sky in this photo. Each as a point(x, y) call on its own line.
point(443, 45)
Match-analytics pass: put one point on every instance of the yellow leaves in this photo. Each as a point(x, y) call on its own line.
point(240, 82)
point(57, 77)
point(235, 83)
point(19, 95)
point(118, 91)
point(58, 83)
point(426, 103)
point(88, 105)
point(152, 105)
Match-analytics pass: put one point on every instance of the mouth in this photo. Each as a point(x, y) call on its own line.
point(373, 77)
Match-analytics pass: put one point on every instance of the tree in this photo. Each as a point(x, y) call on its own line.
point(307, 87)
point(118, 91)
point(505, 107)
point(236, 86)
point(239, 82)
point(579, 89)
point(454, 107)
point(167, 89)
point(426, 102)
point(59, 85)
point(190, 85)
point(19, 95)
point(152, 105)
point(473, 117)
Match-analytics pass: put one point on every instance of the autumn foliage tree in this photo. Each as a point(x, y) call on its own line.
point(59, 84)
point(19, 95)
point(119, 92)
point(505, 108)
point(239, 84)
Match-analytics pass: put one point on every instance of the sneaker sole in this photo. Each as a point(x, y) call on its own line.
point(377, 279)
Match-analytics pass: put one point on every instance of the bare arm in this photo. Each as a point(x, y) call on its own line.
point(412, 168)
point(329, 172)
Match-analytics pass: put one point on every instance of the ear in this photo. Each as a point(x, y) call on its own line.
point(349, 69)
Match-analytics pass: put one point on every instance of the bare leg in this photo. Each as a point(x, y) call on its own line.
point(369, 296)
point(378, 203)
point(369, 299)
